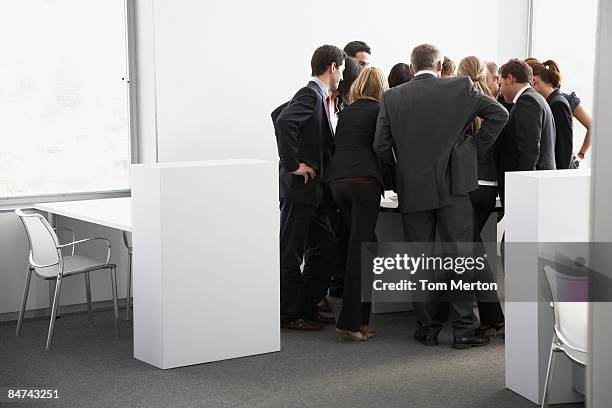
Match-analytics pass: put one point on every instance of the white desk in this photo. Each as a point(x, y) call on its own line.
point(110, 212)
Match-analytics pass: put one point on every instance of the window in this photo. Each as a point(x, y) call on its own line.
point(63, 98)
point(565, 32)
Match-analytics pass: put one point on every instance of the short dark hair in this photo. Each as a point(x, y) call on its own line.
point(352, 68)
point(324, 56)
point(399, 74)
point(519, 69)
point(354, 47)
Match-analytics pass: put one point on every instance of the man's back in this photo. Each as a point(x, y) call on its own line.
point(425, 118)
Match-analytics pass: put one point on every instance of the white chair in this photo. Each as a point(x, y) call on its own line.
point(47, 260)
point(570, 331)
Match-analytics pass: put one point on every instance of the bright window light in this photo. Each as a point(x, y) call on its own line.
point(64, 104)
point(565, 32)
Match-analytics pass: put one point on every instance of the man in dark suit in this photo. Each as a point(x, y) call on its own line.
point(424, 121)
point(304, 136)
point(528, 140)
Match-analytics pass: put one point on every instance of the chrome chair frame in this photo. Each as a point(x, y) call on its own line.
point(32, 266)
point(128, 299)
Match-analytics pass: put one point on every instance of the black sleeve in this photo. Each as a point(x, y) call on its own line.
point(383, 148)
point(494, 117)
point(288, 124)
point(528, 126)
point(564, 131)
point(383, 141)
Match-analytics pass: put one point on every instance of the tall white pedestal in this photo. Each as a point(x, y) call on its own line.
point(206, 261)
point(544, 207)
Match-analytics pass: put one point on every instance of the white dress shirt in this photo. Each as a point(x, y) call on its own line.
point(520, 92)
point(321, 85)
point(327, 94)
point(426, 71)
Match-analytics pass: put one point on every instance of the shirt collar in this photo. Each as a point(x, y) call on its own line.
point(321, 85)
point(520, 92)
point(426, 71)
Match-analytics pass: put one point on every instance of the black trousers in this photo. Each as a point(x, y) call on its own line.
point(359, 203)
point(305, 235)
point(336, 286)
point(452, 223)
point(489, 308)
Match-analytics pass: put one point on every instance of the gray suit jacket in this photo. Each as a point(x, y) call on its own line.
point(425, 122)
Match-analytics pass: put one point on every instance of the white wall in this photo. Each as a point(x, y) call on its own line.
point(512, 28)
point(217, 70)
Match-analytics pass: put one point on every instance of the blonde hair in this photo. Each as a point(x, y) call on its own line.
point(473, 68)
point(370, 84)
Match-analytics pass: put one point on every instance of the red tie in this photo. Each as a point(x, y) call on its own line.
point(328, 104)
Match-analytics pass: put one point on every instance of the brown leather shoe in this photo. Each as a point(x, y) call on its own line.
point(302, 325)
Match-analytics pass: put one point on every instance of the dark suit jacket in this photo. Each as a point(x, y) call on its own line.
point(528, 141)
point(304, 134)
point(354, 155)
point(564, 128)
point(422, 121)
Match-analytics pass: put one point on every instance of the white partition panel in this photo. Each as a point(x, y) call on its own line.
point(206, 261)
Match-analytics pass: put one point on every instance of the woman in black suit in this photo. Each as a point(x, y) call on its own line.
point(547, 81)
point(356, 183)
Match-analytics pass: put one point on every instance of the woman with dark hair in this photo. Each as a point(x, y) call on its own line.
point(547, 81)
point(449, 69)
point(399, 74)
point(350, 74)
point(578, 112)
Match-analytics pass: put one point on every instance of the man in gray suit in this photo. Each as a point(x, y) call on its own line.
point(426, 122)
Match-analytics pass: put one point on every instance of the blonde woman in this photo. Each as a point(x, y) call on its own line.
point(483, 199)
point(356, 183)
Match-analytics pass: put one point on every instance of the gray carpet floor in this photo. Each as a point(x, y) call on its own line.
point(91, 369)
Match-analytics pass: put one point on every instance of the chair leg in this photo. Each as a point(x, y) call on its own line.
point(115, 305)
point(24, 301)
point(128, 299)
point(549, 375)
point(88, 292)
point(56, 298)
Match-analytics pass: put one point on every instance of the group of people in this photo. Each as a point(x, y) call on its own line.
point(442, 136)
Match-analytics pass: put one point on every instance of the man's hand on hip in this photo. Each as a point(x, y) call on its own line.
point(305, 171)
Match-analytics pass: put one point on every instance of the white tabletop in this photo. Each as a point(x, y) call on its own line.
point(110, 212)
